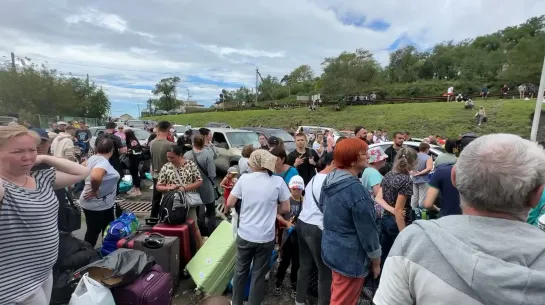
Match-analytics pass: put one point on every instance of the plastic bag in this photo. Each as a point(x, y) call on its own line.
point(120, 268)
point(123, 226)
point(91, 292)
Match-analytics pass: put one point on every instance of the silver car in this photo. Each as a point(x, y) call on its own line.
point(140, 134)
point(229, 143)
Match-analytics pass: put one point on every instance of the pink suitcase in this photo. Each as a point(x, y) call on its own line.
point(152, 288)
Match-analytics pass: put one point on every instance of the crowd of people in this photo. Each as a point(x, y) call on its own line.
point(336, 206)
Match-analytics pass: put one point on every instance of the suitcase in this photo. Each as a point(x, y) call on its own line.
point(164, 249)
point(184, 235)
point(151, 288)
point(214, 264)
point(192, 236)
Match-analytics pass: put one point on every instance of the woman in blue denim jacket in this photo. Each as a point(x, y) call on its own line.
point(350, 240)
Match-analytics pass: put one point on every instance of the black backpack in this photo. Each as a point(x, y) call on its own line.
point(174, 209)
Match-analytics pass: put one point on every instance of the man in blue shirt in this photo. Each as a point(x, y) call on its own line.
point(441, 183)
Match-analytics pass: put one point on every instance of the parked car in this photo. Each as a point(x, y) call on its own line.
point(141, 134)
point(174, 112)
point(347, 133)
point(135, 124)
point(435, 150)
point(289, 141)
point(161, 112)
point(217, 125)
point(179, 130)
point(314, 129)
point(229, 143)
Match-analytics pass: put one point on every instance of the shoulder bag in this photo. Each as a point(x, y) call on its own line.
point(193, 199)
point(69, 213)
point(216, 190)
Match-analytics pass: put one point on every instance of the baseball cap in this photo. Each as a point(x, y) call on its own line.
point(296, 182)
point(232, 170)
point(376, 154)
point(61, 123)
point(42, 133)
point(273, 141)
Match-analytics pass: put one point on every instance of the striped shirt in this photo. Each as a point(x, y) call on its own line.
point(29, 237)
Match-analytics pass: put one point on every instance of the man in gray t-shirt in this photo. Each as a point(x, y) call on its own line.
point(158, 150)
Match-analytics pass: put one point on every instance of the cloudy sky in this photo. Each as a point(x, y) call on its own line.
point(127, 46)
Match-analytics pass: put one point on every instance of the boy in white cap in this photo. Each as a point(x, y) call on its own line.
point(289, 246)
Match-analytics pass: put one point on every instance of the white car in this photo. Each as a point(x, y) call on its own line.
point(435, 150)
point(140, 134)
point(179, 130)
point(313, 129)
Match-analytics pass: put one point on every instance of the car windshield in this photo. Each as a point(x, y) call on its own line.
point(180, 129)
point(286, 137)
point(439, 148)
point(240, 139)
point(141, 134)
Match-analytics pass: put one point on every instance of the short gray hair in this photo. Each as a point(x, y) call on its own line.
point(498, 172)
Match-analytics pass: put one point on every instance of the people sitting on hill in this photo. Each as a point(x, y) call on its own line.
point(481, 116)
point(469, 104)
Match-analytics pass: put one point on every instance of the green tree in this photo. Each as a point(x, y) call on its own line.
point(349, 71)
point(165, 89)
point(36, 89)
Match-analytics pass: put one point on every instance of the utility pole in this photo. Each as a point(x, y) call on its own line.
point(187, 101)
point(139, 113)
point(256, 80)
point(13, 61)
point(539, 103)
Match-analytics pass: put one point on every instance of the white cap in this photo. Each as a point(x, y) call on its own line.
point(61, 123)
point(296, 182)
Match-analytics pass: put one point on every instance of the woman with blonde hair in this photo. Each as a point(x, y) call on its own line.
point(394, 197)
point(29, 215)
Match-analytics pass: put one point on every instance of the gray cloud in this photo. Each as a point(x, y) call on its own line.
point(224, 40)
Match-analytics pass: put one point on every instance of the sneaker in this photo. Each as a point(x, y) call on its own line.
point(277, 291)
point(293, 294)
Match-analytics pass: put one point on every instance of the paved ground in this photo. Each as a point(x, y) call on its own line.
point(186, 293)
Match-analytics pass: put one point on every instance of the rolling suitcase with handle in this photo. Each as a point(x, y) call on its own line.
point(153, 287)
point(213, 266)
point(164, 249)
point(184, 235)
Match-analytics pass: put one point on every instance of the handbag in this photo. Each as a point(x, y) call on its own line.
point(216, 190)
point(69, 213)
point(192, 199)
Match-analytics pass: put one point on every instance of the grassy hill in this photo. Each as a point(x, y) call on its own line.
point(421, 119)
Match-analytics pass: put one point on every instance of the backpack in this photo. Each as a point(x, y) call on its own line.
point(174, 209)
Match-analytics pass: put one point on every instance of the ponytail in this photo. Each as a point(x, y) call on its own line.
point(404, 160)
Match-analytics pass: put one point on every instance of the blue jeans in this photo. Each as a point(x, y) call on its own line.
point(388, 234)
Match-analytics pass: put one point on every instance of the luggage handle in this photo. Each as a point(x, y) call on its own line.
point(156, 234)
point(151, 221)
point(154, 243)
